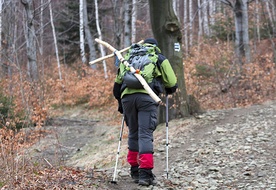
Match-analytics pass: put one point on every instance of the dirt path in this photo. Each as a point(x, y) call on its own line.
point(224, 149)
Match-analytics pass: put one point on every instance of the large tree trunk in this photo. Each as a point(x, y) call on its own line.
point(127, 22)
point(30, 40)
point(166, 30)
point(241, 23)
point(88, 36)
point(117, 17)
point(242, 46)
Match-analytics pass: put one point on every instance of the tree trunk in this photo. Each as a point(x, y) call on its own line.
point(191, 21)
point(1, 7)
point(238, 40)
point(204, 8)
point(258, 21)
point(82, 50)
point(246, 31)
point(200, 22)
point(242, 47)
point(242, 36)
point(41, 32)
point(269, 13)
point(117, 23)
point(55, 39)
point(127, 22)
point(88, 36)
point(166, 30)
point(186, 24)
point(100, 37)
point(133, 21)
point(176, 7)
point(30, 40)
point(212, 12)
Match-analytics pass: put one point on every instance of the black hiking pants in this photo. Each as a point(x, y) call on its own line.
point(140, 112)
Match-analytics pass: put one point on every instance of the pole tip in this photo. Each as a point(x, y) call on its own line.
point(113, 182)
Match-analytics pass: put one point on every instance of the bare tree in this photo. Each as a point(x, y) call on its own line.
point(212, 11)
point(270, 12)
point(200, 21)
point(41, 30)
point(100, 37)
point(1, 8)
point(55, 39)
point(191, 21)
point(117, 18)
point(127, 22)
point(257, 20)
point(88, 36)
point(204, 8)
point(185, 23)
point(82, 50)
point(30, 40)
point(242, 47)
point(133, 21)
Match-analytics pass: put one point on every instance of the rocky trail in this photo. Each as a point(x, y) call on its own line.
point(222, 149)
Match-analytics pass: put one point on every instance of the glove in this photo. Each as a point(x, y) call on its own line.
point(171, 89)
point(120, 106)
point(117, 90)
point(117, 61)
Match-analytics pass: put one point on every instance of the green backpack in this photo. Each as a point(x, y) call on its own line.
point(144, 60)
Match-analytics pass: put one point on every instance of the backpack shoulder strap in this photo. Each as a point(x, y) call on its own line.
point(160, 60)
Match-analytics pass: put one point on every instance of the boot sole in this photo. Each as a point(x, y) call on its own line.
point(144, 183)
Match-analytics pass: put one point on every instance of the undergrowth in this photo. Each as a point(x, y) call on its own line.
point(217, 82)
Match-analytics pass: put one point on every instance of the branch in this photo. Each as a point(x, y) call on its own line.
point(48, 162)
point(227, 2)
point(23, 2)
point(111, 55)
point(138, 76)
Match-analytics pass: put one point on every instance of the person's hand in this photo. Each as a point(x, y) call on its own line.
point(120, 107)
point(117, 61)
point(171, 89)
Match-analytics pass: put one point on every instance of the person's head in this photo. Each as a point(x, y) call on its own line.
point(151, 41)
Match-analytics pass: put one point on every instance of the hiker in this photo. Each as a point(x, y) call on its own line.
point(140, 111)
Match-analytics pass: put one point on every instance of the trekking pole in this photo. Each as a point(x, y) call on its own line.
point(118, 152)
point(167, 135)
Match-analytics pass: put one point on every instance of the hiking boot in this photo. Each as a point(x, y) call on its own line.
point(134, 172)
point(146, 177)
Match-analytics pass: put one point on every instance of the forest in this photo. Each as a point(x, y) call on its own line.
point(227, 58)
